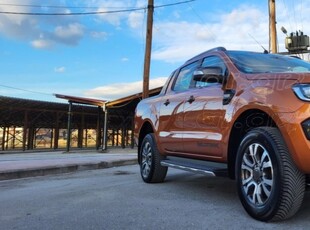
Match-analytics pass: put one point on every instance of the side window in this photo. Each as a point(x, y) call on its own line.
point(163, 90)
point(185, 78)
point(212, 61)
point(215, 61)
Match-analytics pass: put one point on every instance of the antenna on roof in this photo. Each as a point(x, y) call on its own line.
point(265, 51)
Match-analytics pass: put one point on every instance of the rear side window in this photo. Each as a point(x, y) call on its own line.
point(163, 90)
point(185, 77)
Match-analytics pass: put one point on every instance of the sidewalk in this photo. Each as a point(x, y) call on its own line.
point(30, 164)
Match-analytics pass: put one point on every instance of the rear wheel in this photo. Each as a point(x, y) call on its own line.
point(270, 186)
point(150, 167)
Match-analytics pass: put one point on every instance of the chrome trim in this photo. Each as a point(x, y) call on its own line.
point(189, 169)
point(299, 93)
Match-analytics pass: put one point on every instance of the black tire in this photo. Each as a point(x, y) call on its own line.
point(150, 167)
point(270, 186)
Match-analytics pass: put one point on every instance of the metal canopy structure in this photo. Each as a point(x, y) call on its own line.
point(86, 101)
point(22, 122)
point(82, 100)
point(32, 124)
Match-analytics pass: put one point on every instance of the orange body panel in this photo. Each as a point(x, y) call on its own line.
point(202, 128)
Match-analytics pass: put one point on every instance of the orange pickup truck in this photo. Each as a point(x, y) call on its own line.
point(239, 114)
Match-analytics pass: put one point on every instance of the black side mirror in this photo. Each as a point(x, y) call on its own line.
point(208, 74)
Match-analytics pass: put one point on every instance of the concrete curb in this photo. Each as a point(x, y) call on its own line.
point(51, 170)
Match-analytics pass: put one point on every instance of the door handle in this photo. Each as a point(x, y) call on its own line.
point(167, 102)
point(191, 99)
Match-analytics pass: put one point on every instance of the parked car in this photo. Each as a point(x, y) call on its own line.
point(240, 114)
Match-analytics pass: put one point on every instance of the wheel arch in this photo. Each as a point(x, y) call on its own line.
point(145, 129)
point(245, 122)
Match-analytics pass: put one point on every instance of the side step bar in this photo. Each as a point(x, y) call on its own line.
point(197, 166)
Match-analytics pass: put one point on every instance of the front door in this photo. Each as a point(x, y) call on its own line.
point(204, 115)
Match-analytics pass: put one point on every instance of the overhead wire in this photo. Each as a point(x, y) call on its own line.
point(301, 15)
point(72, 13)
point(294, 13)
point(83, 13)
point(203, 22)
point(51, 6)
point(287, 14)
point(25, 90)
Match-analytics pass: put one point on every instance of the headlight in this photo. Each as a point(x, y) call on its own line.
point(302, 91)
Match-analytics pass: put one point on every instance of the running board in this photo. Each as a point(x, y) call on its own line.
point(196, 166)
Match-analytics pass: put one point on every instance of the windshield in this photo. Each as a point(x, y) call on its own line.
point(250, 62)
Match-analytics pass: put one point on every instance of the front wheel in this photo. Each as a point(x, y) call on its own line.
point(270, 186)
point(150, 167)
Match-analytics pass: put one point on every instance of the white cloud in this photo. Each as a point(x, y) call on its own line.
point(61, 69)
point(42, 43)
point(99, 34)
point(68, 31)
point(119, 90)
point(178, 41)
point(40, 32)
point(69, 34)
point(114, 19)
point(135, 19)
point(124, 59)
point(15, 25)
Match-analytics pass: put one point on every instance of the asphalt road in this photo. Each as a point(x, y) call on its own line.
point(116, 198)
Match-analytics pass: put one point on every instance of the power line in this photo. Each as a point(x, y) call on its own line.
point(72, 13)
point(82, 13)
point(173, 4)
point(25, 90)
point(49, 6)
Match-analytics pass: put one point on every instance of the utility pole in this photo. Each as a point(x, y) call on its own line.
point(272, 27)
point(148, 49)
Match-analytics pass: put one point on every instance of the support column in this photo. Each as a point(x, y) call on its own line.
point(52, 138)
point(3, 138)
point(14, 137)
point(7, 138)
point(86, 138)
point(25, 128)
point(69, 127)
point(105, 129)
point(98, 129)
point(56, 132)
point(80, 132)
point(123, 136)
point(113, 137)
point(132, 131)
point(31, 135)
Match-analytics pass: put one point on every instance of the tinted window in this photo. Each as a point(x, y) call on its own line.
point(212, 61)
point(163, 90)
point(185, 78)
point(250, 62)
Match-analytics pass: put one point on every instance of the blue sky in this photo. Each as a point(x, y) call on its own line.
point(101, 56)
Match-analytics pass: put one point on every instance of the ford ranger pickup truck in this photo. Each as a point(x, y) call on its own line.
point(240, 114)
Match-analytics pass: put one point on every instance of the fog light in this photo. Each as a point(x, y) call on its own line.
point(306, 127)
